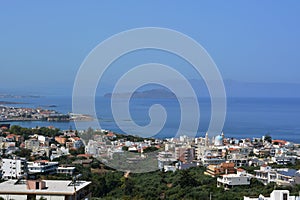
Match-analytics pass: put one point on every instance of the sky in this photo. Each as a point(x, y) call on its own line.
point(43, 43)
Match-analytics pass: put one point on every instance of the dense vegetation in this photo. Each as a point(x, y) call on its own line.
point(90, 133)
point(108, 184)
point(26, 132)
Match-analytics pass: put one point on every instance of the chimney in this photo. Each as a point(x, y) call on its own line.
point(36, 184)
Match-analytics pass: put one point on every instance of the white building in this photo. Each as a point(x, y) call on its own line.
point(32, 144)
point(92, 147)
point(209, 156)
point(231, 180)
point(266, 174)
point(282, 176)
point(58, 152)
point(238, 155)
point(13, 168)
point(47, 189)
point(219, 140)
point(284, 160)
point(169, 168)
point(44, 167)
point(275, 195)
point(165, 158)
point(65, 170)
point(287, 177)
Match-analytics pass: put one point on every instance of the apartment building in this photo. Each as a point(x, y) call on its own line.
point(13, 168)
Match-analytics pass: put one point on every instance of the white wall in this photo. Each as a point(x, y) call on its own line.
point(12, 168)
point(15, 197)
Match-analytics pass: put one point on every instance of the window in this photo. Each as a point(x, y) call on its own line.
point(37, 185)
point(31, 197)
point(284, 196)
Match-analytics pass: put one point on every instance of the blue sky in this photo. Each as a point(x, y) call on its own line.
point(42, 44)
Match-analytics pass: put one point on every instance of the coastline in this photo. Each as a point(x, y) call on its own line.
point(246, 117)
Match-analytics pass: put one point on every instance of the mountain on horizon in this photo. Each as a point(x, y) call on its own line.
point(149, 94)
point(233, 89)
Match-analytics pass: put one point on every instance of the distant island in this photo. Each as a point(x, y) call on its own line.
point(149, 94)
point(10, 102)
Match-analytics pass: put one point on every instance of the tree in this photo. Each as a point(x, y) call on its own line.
point(23, 152)
point(124, 148)
point(268, 138)
point(186, 179)
point(127, 185)
point(150, 149)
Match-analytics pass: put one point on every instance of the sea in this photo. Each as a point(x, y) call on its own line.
point(245, 117)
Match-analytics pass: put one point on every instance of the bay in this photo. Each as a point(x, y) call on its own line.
point(245, 118)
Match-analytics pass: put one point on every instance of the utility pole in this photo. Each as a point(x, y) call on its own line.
point(210, 196)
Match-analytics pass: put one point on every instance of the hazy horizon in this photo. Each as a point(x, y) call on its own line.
point(44, 44)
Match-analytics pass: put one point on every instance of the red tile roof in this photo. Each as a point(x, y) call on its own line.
point(279, 141)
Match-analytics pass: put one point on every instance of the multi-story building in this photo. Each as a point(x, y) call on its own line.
point(284, 159)
point(77, 142)
point(165, 158)
point(287, 177)
point(13, 168)
point(265, 174)
point(32, 144)
point(42, 167)
point(210, 156)
point(92, 147)
point(239, 156)
point(185, 154)
point(223, 168)
point(231, 180)
point(283, 176)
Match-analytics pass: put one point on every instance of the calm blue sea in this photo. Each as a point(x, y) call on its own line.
point(246, 117)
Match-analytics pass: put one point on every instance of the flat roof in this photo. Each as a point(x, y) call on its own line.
point(289, 172)
point(66, 167)
point(234, 176)
point(57, 187)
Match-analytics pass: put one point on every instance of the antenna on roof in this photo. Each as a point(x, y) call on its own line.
point(75, 180)
point(20, 178)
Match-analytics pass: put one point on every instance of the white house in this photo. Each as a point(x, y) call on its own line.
point(266, 174)
point(231, 180)
point(283, 176)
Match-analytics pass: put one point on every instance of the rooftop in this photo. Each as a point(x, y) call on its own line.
point(52, 187)
point(289, 172)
